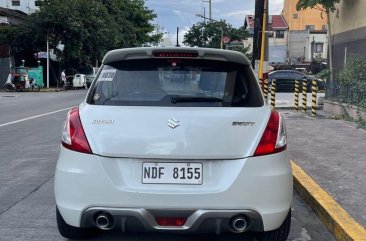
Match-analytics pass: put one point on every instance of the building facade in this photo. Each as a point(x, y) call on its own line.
point(277, 31)
point(348, 26)
point(308, 19)
point(26, 6)
point(307, 46)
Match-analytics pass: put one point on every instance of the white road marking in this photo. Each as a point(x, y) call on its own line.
point(33, 117)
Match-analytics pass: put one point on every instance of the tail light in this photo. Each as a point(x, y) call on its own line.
point(73, 135)
point(274, 138)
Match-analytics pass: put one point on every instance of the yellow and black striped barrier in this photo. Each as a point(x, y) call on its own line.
point(261, 83)
point(265, 89)
point(314, 93)
point(297, 90)
point(304, 95)
point(273, 94)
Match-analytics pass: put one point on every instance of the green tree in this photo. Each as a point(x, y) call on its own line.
point(209, 34)
point(86, 28)
point(134, 18)
point(325, 7)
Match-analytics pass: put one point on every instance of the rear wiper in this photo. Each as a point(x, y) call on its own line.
point(176, 99)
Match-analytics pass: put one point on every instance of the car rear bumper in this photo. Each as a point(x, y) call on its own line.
point(260, 188)
point(204, 221)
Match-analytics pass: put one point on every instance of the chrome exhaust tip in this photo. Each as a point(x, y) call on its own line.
point(238, 224)
point(104, 221)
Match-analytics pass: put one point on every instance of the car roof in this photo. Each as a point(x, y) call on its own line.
point(286, 74)
point(148, 52)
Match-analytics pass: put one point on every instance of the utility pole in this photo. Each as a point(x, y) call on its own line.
point(263, 37)
point(204, 15)
point(260, 23)
point(210, 8)
point(257, 37)
point(48, 63)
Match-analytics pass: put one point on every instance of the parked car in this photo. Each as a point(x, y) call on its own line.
point(174, 140)
point(285, 80)
point(89, 79)
point(78, 81)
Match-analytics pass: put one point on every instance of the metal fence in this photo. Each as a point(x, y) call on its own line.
point(350, 94)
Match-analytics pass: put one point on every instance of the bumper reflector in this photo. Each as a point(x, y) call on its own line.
point(171, 221)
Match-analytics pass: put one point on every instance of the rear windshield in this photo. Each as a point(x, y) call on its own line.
point(176, 82)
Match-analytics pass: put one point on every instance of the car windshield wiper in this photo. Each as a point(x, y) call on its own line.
point(176, 99)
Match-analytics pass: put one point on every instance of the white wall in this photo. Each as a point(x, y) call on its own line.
point(318, 38)
point(349, 16)
point(277, 48)
point(27, 6)
point(300, 45)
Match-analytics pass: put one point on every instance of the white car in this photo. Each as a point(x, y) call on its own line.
point(78, 81)
point(174, 140)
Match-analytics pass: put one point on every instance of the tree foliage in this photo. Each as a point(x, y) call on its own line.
point(326, 6)
point(86, 28)
point(209, 34)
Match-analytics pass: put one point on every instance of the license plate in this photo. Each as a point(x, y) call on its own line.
point(172, 173)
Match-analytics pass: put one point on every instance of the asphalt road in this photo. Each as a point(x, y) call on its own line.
point(29, 148)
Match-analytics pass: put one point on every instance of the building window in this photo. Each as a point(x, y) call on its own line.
point(15, 3)
point(37, 3)
point(296, 16)
point(324, 27)
point(270, 34)
point(280, 34)
point(310, 27)
point(319, 48)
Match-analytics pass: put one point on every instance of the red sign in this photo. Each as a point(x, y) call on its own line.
point(226, 39)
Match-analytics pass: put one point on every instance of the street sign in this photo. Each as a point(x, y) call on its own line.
point(226, 40)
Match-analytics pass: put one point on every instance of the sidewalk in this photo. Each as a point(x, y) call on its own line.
point(333, 153)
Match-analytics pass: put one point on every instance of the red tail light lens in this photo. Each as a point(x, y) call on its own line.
point(73, 136)
point(274, 138)
point(171, 221)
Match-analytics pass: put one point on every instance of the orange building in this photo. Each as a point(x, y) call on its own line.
point(301, 20)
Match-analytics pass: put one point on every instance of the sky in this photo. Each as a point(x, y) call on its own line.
point(181, 13)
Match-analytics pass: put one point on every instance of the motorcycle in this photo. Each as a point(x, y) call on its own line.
point(19, 81)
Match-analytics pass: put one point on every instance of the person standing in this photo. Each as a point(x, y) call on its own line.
point(63, 77)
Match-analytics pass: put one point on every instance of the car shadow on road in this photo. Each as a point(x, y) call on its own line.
point(118, 235)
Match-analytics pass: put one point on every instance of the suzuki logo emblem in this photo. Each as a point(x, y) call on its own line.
point(173, 123)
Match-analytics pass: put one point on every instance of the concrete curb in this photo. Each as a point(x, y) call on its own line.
point(335, 218)
point(43, 90)
point(319, 107)
point(52, 90)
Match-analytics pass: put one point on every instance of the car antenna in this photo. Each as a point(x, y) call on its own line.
point(177, 38)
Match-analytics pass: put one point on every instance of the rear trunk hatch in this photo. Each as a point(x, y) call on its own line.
point(200, 132)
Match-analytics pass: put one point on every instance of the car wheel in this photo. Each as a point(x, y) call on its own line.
point(279, 234)
point(71, 232)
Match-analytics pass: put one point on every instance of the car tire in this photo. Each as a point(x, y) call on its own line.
point(279, 234)
point(71, 232)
